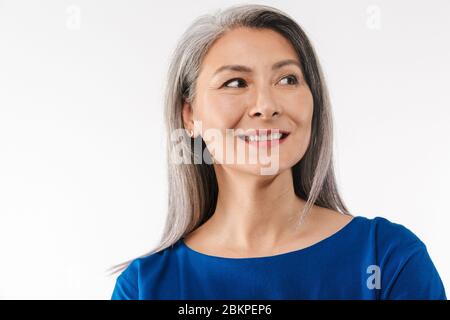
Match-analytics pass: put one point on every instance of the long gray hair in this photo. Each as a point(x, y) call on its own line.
point(193, 188)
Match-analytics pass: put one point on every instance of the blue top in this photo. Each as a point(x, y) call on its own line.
point(366, 259)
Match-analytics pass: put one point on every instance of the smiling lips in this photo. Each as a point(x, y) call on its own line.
point(264, 137)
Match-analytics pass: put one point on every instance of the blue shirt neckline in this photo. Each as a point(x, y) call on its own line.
point(336, 268)
point(316, 245)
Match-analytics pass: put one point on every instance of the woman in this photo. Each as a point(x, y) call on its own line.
point(248, 78)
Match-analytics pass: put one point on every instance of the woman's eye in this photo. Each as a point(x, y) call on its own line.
point(291, 77)
point(236, 80)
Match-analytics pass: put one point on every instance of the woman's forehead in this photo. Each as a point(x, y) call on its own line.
point(248, 41)
point(252, 48)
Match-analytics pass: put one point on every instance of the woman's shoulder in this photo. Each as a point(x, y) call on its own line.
point(407, 269)
point(377, 229)
point(388, 232)
point(142, 270)
point(157, 259)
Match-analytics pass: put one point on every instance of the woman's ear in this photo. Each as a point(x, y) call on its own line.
point(188, 116)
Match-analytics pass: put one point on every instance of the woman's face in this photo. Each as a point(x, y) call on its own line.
point(232, 101)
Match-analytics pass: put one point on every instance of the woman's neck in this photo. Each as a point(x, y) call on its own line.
point(255, 211)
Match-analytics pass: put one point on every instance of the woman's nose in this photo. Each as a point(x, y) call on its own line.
point(266, 106)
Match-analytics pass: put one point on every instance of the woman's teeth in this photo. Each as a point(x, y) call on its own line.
point(273, 136)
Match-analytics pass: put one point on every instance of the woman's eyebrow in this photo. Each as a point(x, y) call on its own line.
point(241, 68)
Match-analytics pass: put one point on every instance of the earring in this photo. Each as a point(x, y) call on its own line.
point(191, 133)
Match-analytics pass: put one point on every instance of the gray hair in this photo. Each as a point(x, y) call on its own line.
point(193, 188)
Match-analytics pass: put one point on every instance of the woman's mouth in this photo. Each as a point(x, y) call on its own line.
point(265, 137)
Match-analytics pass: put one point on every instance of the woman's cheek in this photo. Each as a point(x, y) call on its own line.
point(226, 111)
point(228, 102)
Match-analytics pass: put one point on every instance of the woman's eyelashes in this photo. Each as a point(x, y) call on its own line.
point(292, 77)
point(225, 85)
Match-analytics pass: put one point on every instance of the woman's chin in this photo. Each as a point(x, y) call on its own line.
point(270, 168)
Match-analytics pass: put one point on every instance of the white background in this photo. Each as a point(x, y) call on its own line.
point(82, 160)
